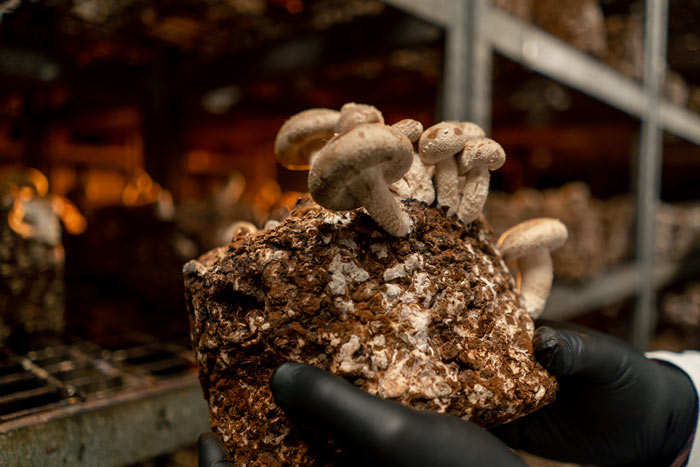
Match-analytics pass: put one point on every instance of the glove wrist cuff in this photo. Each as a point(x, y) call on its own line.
point(682, 458)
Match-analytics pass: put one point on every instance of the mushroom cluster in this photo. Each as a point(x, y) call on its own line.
point(356, 160)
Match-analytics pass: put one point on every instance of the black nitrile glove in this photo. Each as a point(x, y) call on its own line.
point(212, 452)
point(614, 406)
point(383, 432)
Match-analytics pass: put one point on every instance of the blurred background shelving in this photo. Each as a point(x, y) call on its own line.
point(142, 130)
point(467, 98)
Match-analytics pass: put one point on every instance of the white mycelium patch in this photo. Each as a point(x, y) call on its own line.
point(337, 218)
point(379, 249)
point(391, 293)
point(348, 242)
point(346, 306)
point(342, 273)
point(401, 270)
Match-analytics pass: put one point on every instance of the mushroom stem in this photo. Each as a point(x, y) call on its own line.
point(446, 181)
point(382, 206)
point(535, 280)
point(474, 194)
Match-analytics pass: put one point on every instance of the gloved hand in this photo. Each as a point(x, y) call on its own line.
point(212, 452)
point(614, 405)
point(383, 432)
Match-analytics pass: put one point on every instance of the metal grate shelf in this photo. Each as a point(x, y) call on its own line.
point(97, 397)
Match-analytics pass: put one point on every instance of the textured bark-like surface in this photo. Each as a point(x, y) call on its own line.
point(431, 320)
point(32, 292)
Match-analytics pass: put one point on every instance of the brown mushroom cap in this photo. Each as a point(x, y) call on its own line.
point(352, 114)
point(302, 135)
point(413, 129)
point(356, 169)
point(441, 141)
point(483, 152)
point(531, 235)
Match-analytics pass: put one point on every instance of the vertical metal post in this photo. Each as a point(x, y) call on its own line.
point(467, 78)
point(648, 177)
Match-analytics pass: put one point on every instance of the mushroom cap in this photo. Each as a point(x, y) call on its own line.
point(237, 228)
point(441, 141)
point(543, 232)
point(473, 130)
point(302, 135)
point(344, 161)
point(352, 114)
point(481, 151)
point(409, 127)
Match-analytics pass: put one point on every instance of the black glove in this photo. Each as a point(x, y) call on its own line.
point(614, 405)
point(380, 431)
point(212, 452)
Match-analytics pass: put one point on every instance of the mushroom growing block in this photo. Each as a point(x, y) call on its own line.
point(430, 320)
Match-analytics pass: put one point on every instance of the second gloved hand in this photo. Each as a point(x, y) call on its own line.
point(614, 405)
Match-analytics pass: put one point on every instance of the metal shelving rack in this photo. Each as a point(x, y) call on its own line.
point(474, 31)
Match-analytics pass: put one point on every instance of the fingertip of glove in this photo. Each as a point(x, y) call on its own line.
point(208, 438)
point(551, 350)
point(283, 379)
point(212, 450)
point(545, 343)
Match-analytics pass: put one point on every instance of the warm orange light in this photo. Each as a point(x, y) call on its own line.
point(71, 217)
point(57, 203)
point(38, 186)
point(93, 191)
point(144, 182)
point(130, 195)
point(39, 181)
point(268, 194)
point(25, 194)
point(198, 160)
point(74, 222)
point(141, 190)
point(289, 198)
point(15, 220)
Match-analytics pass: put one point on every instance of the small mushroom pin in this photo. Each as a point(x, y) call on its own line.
point(409, 127)
point(417, 183)
point(480, 155)
point(302, 135)
point(238, 228)
point(531, 243)
point(356, 168)
point(419, 180)
point(352, 114)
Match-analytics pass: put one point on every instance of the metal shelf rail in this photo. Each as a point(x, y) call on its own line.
point(116, 401)
point(474, 30)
